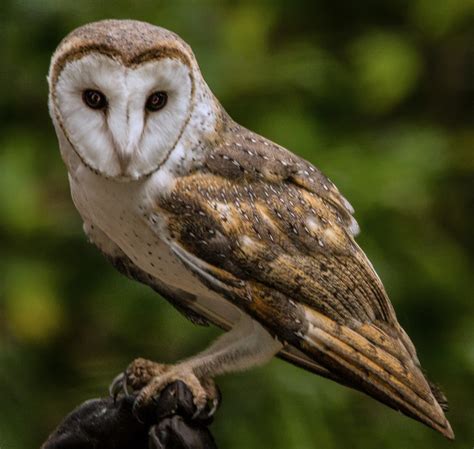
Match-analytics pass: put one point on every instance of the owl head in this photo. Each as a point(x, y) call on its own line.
point(122, 94)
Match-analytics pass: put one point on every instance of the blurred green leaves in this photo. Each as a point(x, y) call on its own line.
point(33, 310)
point(246, 30)
point(387, 67)
point(405, 165)
point(437, 17)
point(20, 205)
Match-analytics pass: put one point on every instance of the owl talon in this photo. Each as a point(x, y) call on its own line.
point(178, 387)
point(199, 399)
point(216, 402)
point(136, 376)
point(207, 411)
point(118, 386)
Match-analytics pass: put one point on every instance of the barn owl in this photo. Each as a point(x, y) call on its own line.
point(229, 227)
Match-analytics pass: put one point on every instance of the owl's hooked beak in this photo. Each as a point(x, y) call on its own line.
point(127, 148)
point(124, 156)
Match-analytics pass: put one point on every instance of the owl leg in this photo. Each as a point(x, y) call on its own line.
point(248, 344)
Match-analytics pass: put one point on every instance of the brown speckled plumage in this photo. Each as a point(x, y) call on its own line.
point(225, 223)
point(244, 212)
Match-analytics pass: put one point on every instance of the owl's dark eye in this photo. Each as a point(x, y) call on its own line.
point(156, 101)
point(94, 99)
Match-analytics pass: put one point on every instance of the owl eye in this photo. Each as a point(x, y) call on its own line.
point(156, 101)
point(94, 99)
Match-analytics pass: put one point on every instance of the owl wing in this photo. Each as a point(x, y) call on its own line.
point(184, 302)
point(270, 233)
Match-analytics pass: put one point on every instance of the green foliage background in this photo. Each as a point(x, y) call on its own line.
point(378, 94)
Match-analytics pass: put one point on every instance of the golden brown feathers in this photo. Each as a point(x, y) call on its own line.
point(273, 235)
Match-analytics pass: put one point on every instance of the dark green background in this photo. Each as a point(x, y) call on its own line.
point(378, 94)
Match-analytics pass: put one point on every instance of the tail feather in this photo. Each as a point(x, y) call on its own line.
point(377, 364)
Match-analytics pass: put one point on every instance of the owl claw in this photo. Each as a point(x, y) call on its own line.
point(208, 409)
point(151, 393)
point(151, 381)
point(134, 378)
point(117, 387)
point(215, 404)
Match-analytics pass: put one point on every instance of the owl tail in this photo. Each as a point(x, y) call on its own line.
point(380, 363)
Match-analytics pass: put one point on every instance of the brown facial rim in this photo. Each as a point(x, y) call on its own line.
point(154, 54)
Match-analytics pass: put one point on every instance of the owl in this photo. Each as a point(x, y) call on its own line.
point(229, 227)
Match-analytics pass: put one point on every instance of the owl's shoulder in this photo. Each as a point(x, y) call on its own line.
point(238, 155)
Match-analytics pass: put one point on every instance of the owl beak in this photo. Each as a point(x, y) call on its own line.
point(126, 125)
point(124, 156)
point(134, 130)
point(126, 152)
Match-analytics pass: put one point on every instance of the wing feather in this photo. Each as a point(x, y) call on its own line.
point(274, 236)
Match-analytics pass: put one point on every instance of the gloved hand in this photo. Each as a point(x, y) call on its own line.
point(108, 424)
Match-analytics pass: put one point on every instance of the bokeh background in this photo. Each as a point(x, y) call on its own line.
point(379, 95)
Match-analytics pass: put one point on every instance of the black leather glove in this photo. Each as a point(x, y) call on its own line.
point(105, 424)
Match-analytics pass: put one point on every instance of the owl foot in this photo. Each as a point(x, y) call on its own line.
point(148, 379)
point(136, 376)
